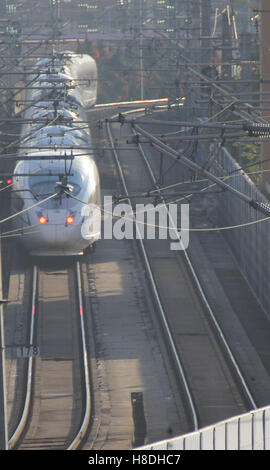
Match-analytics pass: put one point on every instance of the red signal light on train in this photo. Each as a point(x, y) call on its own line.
point(9, 181)
point(43, 220)
point(70, 219)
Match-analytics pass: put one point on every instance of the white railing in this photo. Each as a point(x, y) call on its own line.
point(250, 431)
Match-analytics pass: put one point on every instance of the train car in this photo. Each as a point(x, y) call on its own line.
point(53, 180)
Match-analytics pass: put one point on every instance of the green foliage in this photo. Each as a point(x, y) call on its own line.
point(248, 155)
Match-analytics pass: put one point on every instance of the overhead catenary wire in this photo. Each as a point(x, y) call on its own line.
point(213, 117)
point(6, 219)
point(127, 218)
point(176, 156)
point(163, 36)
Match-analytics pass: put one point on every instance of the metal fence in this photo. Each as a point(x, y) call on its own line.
point(250, 431)
point(249, 240)
point(249, 237)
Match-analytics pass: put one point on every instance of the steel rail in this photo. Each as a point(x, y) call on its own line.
point(201, 291)
point(77, 440)
point(155, 290)
point(25, 413)
point(81, 432)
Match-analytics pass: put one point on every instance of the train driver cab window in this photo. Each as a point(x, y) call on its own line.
point(45, 183)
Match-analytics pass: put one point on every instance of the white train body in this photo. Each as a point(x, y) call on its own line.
point(59, 95)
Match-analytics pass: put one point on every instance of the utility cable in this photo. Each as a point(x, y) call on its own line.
point(27, 208)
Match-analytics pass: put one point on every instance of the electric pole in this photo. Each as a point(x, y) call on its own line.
point(226, 45)
point(265, 87)
point(206, 7)
point(206, 47)
point(3, 403)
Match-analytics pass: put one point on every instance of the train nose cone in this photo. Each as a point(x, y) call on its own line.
point(60, 235)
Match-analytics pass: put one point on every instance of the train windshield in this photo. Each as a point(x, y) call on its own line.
point(47, 181)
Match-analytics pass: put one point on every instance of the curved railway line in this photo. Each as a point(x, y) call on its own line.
point(57, 406)
point(156, 338)
point(161, 363)
point(207, 370)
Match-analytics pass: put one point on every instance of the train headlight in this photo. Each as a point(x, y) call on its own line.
point(43, 220)
point(70, 219)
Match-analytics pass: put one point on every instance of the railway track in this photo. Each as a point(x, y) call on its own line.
point(57, 406)
point(127, 359)
point(209, 377)
point(41, 425)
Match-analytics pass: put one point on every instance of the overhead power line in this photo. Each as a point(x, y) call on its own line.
point(262, 207)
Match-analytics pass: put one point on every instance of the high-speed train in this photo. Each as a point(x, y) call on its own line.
point(54, 180)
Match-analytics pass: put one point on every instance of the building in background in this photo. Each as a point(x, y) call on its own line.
point(89, 16)
point(104, 16)
point(132, 37)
